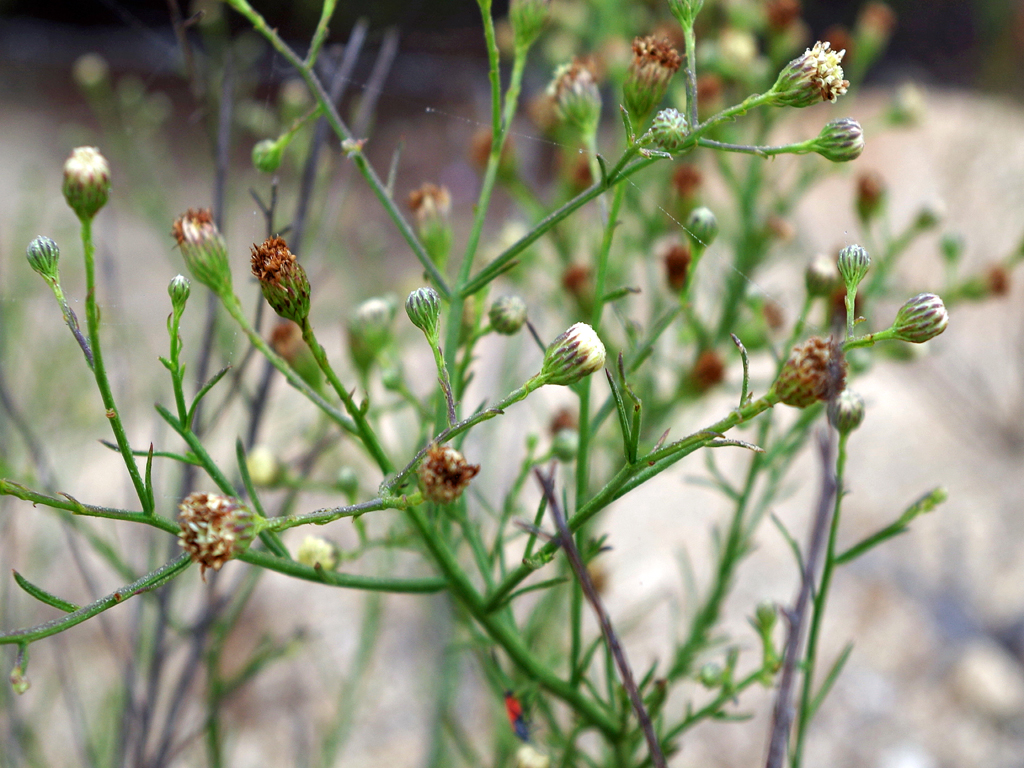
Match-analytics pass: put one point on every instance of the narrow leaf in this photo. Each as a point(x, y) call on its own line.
point(42, 595)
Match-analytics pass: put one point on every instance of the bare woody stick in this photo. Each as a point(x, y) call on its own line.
point(625, 671)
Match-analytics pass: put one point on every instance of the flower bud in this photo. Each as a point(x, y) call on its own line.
point(952, 246)
point(347, 482)
point(527, 756)
point(821, 276)
point(577, 99)
point(815, 370)
point(813, 77)
point(840, 141)
point(507, 315)
point(528, 18)
point(710, 675)
point(431, 206)
point(262, 465)
point(931, 213)
point(677, 258)
point(204, 250)
point(369, 330)
point(853, 264)
point(179, 289)
point(708, 370)
point(702, 225)
point(654, 63)
point(871, 195)
point(315, 551)
point(846, 412)
point(86, 181)
point(214, 529)
point(577, 353)
point(685, 11)
point(44, 257)
point(282, 279)
point(424, 309)
point(923, 317)
point(90, 71)
point(765, 617)
point(566, 445)
point(669, 130)
point(267, 155)
point(445, 474)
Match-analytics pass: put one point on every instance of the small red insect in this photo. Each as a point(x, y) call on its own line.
point(514, 710)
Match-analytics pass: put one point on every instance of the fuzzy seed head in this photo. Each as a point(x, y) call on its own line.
point(282, 279)
point(853, 264)
point(815, 370)
point(445, 474)
point(577, 353)
point(203, 248)
point(214, 529)
point(669, 130)
point(922, 318)
point(44, 257)
point(811, 78)
point(316, 550)
point(846, 412)
point(86, 181)
point(654, 63)
point(507, 315)
point(840, 141)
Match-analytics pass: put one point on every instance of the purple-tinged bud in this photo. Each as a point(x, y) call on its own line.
point(86, 181)
point(669, 130)
point(577, 353)
point(840, 141)
point(44, 257)
point(507, 315)
point(846, 412)
point(922, 318)
point(853, 264)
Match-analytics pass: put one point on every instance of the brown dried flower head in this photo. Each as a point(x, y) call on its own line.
point(214, 529)
point(203, 248)
point(997, 278)
point(686, 180)
point(815, 370)
point(654, 63)
point(677, 258)
point(445, 474)
point(870, 195)
point(282, 279)
point(780, 14)
point(430, 202)
point(708, 371)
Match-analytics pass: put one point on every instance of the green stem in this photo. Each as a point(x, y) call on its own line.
point(334, 579)
point(92, 320)
point(330, 514)
point(366, 433)
point(504, 635)
point(146, 583)
point(321, 33)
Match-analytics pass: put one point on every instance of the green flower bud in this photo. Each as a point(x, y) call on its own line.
point(811, 78)
point(262, 466)
point(669, 130)
point(853, 264)
point(214, 529)
point(930, 215)
point(685, 11)
point(765, 617)
point(267, 155)
point(347, 482)
point(44, 257)
point(424, 309)
point(369, 330)
point(282, 279)
point(922, 318)
point(710, 675)
point(528, 18)
point(315, 551)
point(840, 141)
point(815, 370)
point(846, 412)
point(952, 247)
point(86, 181)
point(507, 315)
point(204, 249)
point(566, 445)
point(702, 225)
point(179, 290)
point(821, 276)
point(654, 63)
point(577, 353)
point(577, 99)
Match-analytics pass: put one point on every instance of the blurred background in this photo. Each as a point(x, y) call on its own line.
point(936, 678)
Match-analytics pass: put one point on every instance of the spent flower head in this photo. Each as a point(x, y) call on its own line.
point(922, 318)
point(214, 528)
point(815, 370)
point(654, 63)
point(203, 248)
point(575, 354)
point(577, 99)
point(444, 474)
point(282, 279)
point(507, 315)
point(815, 76)
point(86, 181)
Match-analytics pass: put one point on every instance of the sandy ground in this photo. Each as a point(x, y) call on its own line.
point(930, 682)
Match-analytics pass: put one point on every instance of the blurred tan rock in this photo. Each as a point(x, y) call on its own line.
point(989, 681)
